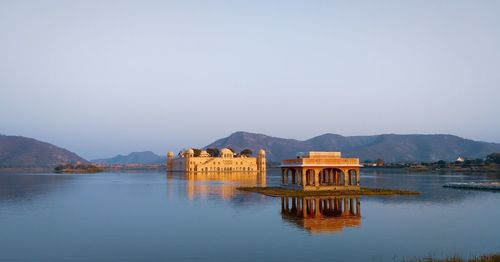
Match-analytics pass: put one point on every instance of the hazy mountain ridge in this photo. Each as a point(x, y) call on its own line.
point(145, 157)
point(390, 147)
point(18, 151)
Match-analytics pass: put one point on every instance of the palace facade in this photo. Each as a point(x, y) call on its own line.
point(227, 162)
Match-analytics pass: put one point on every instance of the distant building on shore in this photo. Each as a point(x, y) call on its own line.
point(226, 162)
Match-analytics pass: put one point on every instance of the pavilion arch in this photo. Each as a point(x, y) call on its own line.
point(353, 177)
point(331, 176)
point(342, 178)
point(310, 174)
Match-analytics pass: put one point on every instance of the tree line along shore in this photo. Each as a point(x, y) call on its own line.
point(489, 164)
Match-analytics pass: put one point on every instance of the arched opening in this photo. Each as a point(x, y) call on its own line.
point(353, 177)
point(310, 177)
point(336, 177)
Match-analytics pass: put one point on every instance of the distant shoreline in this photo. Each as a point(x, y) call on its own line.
point(435, 169)
point(102, 167)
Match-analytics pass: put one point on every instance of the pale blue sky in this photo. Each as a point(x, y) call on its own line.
point(108, 77)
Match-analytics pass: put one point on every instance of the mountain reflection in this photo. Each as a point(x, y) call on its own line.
point(23, 187)
point(322, 214)
point(223, 184)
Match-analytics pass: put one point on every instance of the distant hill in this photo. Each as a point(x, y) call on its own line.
point(18, 151)
point(146, 157)
point(390, 147)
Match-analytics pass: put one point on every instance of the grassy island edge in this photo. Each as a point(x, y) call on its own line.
point(289, 192)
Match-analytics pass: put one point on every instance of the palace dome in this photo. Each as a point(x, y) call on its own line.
point(225, 152)
point(262, 152)
point(204, 153)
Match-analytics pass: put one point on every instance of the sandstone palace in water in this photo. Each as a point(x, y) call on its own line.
point(225, 161)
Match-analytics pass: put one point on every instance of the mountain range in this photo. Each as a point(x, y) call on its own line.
point(146, 157)
point(390, 147)
point(18, 151)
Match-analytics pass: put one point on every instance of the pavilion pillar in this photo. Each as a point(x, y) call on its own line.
point(358, 207)
point(316, 177)
point(304, 179)
point(346, 177)
point(357, 177)
point(283, 176)
point(304, 208)
point(316, 207)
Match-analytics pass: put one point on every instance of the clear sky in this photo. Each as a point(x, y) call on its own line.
point(107, 77)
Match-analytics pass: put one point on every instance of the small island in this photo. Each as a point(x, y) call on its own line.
point(290, 192)
point(321, 174)
point(78, 168)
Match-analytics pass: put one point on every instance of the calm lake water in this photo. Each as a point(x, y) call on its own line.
point(179, 217)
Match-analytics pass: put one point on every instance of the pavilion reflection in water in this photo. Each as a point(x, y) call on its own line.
point(320, 214)
point(223, 184)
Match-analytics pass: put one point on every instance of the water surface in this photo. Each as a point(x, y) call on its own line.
point(180, 217)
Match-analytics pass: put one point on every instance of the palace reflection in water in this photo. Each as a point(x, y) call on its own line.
point(321, 214)
point(221, 184)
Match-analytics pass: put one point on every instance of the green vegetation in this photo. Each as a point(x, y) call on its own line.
point(246, 152)
point(467, 165)
point(365, 191)
point(196, 152)
point(456, 258)
point(490, 164)
point(215, 152)
point(493, 158)
point(77, 168)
